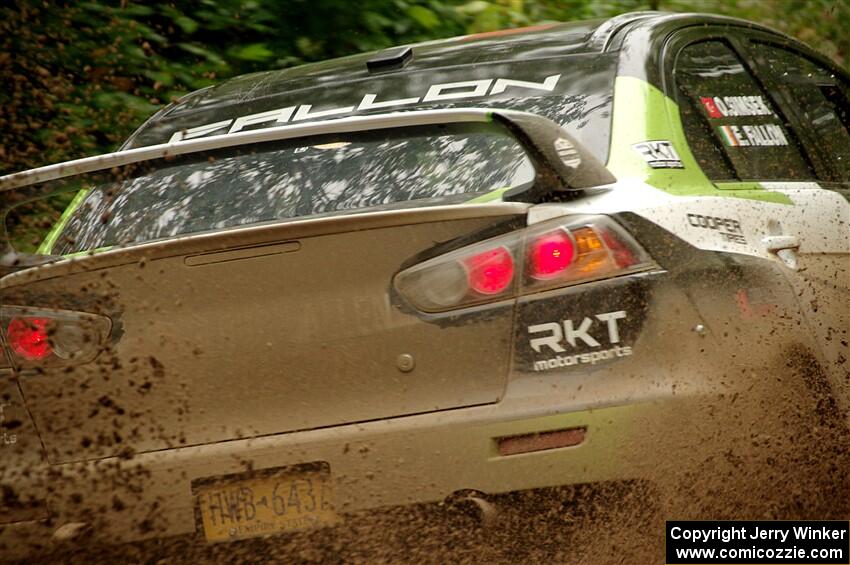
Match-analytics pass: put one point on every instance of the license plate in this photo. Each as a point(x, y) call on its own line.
point(265, 503)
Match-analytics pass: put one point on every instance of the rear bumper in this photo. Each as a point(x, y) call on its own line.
point(660, 437)
point(387, 463)
point(687, 405)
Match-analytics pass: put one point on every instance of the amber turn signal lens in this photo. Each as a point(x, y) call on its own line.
point(592, 255)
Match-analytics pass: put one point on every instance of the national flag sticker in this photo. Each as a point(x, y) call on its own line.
point(754, 135)
point(710, 107)
point(728, 135)
point(735, 106)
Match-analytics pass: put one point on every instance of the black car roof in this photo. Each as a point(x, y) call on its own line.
point(535, 42)
point(525, 44)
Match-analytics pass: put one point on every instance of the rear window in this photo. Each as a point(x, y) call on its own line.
point(285, 180)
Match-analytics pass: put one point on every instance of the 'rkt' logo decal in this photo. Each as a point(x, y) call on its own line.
point(659, 154)
point(435, 93)
point(589, 333)
point(575, 334)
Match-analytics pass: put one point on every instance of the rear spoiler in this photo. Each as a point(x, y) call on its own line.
point(562, 166)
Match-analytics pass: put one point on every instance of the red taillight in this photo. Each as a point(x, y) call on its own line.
point(28, 338)
point(550, 254)
point(623, 256)
point(469, 276)
point(45, 337)
point(490, 272)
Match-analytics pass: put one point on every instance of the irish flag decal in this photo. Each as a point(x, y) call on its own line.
point(728, 136)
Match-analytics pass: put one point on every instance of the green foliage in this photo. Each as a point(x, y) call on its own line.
point(820, 23)
point(80, 76)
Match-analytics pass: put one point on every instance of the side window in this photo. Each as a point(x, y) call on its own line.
point(821, 98)
point(732, 126)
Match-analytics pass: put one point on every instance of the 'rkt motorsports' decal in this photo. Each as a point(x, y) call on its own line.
point(659, 154)
point(735, 106)
point(728, 228)
point(766, 135)
point(435, 93)
point(599, 336)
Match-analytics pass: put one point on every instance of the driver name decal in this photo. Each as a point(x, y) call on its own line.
point(434, 93)
point(766, 135)
point(734, 106)
point(586, 341)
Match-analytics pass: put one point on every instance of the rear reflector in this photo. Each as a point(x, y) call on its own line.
point(514, 445)
point(552, 254)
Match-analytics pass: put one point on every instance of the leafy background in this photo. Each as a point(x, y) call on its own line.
point(79, 77)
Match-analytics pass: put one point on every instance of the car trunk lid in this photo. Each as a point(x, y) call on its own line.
point(262, 331)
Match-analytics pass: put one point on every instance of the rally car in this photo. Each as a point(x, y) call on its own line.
point(573, 253)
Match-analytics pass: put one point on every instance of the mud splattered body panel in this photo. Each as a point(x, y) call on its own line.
point(705, 351)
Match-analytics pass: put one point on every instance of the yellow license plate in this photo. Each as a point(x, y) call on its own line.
point(265, 503)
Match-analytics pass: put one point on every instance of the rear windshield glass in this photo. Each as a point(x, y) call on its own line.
point(284, 180)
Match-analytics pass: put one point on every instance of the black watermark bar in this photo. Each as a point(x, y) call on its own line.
point(813, 542)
